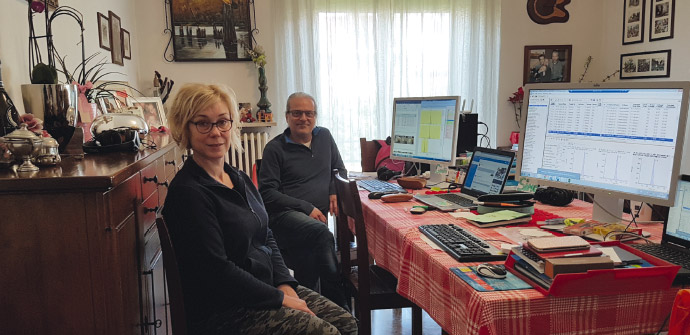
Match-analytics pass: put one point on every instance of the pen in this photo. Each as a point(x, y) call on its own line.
point(501, 204)
point(573, 255)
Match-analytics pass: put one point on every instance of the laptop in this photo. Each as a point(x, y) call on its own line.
point(486, 174)
point(675, 241)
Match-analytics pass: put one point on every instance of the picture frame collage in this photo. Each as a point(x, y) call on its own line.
point(114, 38)
point(661, 22)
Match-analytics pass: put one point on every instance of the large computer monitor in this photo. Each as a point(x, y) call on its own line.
point(617, 141)
point(425, 130)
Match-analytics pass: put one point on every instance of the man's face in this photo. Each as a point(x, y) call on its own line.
point(554, 56)
point(542, 60)
point(301, 125)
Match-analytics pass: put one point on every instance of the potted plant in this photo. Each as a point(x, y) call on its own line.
point(45, 98)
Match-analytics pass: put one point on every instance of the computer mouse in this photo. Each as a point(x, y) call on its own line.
point(376, 195)
point(491, 270)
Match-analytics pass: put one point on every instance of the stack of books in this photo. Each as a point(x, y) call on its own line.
point(566, 255)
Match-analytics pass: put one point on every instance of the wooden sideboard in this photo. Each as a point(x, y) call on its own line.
point(79, 249)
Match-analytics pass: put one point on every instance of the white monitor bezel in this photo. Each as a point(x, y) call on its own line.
point(455, 130)
point(681, 133)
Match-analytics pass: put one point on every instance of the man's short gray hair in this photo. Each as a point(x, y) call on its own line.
point(297, 95)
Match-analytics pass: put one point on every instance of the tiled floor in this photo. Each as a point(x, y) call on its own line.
point(399, 322)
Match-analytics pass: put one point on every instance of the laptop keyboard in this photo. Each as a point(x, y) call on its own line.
point(456, 199)
point(375, 185)
point(668, 254)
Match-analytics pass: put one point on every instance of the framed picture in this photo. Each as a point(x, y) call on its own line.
point(108, 104)
point(651, 64)
point(633, 21)
point(115, 39)
point(547, 63)
point(103, 32)
point(210, 30)
point(154, 113)
point(126, 46)
point(663, 19)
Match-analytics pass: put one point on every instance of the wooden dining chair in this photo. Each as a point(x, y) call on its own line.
point(368, 149)
point(374, 288)
point(172, 274)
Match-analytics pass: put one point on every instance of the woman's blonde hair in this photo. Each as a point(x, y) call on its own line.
point(194, 98)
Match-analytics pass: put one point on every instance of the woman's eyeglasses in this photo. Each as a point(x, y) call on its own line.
point(297, 113)
point(205, 127)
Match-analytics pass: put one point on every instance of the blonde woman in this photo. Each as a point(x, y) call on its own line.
point(234, 279)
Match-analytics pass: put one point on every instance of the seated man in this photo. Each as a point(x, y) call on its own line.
point(296, 186)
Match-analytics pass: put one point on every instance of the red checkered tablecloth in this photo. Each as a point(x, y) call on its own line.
point(424, 278)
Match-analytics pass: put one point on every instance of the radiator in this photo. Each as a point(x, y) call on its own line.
point(253, 146)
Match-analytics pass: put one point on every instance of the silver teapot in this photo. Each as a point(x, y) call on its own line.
point(23, 144)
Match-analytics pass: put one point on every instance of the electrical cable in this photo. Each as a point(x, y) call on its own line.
point(664, 324)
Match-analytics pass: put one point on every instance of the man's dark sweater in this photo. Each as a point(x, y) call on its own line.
point(296, 177)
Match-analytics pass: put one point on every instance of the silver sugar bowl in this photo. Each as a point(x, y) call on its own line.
point(48, 155)
point(23, 144)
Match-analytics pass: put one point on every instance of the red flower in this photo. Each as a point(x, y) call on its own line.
point(37, 6)
point(517, 96)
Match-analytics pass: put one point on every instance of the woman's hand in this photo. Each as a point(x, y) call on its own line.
point(288, 290)
point(296, 303)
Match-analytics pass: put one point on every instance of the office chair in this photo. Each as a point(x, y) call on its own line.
point(172, 274)
point(374, 288)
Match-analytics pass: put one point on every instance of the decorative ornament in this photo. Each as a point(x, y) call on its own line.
point(548, 11)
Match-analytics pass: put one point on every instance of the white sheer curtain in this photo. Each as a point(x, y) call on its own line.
point(355, 56)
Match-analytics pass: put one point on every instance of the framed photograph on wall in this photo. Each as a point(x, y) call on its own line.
point(211, 30)
point(547, 64)
point(154, 113)
point(126, 45)
point(115, 39)
point(103, 31)
point(633, 21)
point(663, 19)
point(651, 64)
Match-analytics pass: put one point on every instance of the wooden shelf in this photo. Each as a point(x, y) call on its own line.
point(257, 124)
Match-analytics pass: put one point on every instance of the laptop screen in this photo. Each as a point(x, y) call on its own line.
point(678, 223)
point(488, 171)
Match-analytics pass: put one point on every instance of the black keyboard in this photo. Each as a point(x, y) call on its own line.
point(666, 253)
point(461, 244)
point(456, 199)
point(375, 185)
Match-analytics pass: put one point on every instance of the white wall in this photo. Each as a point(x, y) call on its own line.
point(14, 45)
point(583, 31)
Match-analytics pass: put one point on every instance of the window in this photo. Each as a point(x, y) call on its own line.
point(356, 56)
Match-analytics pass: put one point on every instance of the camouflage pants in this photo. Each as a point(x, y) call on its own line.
point(330, 319)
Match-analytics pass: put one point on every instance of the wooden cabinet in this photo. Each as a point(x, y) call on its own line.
point(80, 250)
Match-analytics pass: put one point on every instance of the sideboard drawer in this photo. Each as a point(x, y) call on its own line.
point(149, 180)
point(147, 213)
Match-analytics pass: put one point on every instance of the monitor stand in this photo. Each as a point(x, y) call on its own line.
point(611, 204)
point(438, 179)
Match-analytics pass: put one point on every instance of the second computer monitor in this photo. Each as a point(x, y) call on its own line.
point(425, 129)
point(618, 141)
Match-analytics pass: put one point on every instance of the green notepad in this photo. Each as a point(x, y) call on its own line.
point(503, 215)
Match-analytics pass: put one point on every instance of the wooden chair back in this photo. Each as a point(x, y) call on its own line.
point(174, 282)
point(369, 150)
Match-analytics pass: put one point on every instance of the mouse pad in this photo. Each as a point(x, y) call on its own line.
point(485, 284)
